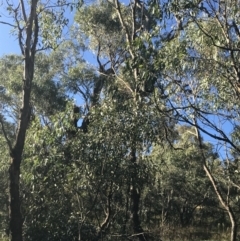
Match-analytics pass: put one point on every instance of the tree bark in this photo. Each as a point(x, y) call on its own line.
point(135, 199)
point(28, 49)
point(16, 220)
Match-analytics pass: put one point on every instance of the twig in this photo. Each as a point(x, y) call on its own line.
point(8, 24)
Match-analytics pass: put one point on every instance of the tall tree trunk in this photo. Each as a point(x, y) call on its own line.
point(135, 199)
point(135, 196)
point(225, 204)
point(16, 220)
point(28, 48)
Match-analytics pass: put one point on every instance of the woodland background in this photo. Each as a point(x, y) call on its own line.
point(140, 141)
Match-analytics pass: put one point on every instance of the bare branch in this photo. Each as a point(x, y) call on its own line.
point(9, 24)
point(56, 6)
point(23, 11)
point(202, 129)
point(235, 185)
point(20, 30)
point(128, 36)
point(213, 41)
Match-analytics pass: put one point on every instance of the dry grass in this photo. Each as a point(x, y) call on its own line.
point(193, 234)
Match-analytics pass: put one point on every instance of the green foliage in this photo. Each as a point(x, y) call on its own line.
point(44, 87)
point(79, 185)
point(101, 27)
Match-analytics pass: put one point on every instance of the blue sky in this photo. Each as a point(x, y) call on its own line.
point(8, 42)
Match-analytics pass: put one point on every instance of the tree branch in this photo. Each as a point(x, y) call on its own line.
point(9, 24)
point(128, 36)
point(20, 30)
point(5, 135)
point(23, 11)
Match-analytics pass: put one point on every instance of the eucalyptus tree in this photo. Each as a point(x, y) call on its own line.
point(121, 37)
point(205, 80)
point(46, 99)
point(205, 70)
point(182, 189)
point(47, 181)
point(220, 38)
point(30, 23)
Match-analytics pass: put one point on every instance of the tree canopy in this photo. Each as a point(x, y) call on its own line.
point(123, 125)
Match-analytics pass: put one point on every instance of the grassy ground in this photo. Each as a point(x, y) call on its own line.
point(193, 234)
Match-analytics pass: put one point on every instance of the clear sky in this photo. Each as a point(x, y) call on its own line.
point(8, 42)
